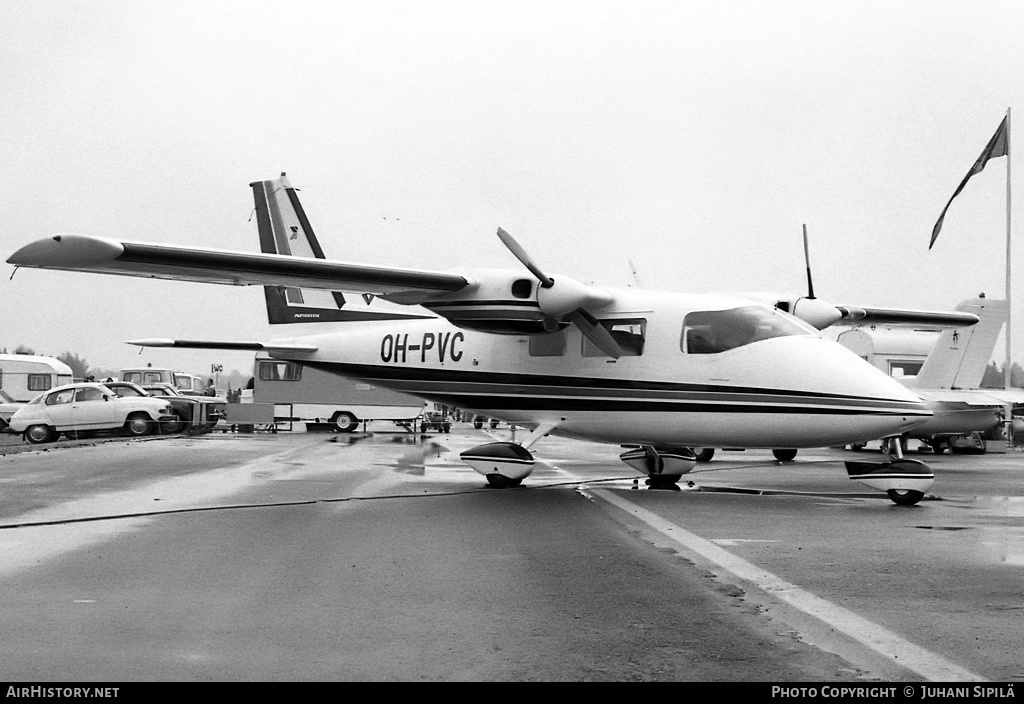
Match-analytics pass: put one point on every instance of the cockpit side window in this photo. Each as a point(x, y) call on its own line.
point(714, 331)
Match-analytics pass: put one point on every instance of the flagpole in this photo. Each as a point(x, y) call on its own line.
point(1008, 411)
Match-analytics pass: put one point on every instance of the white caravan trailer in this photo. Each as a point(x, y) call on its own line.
point(300, 393)
point(25, 376)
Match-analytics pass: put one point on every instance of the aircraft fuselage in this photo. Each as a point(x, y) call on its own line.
point(792, 390)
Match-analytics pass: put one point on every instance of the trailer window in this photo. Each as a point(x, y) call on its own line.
point(280, 371)
point(628, 332)
point(39, 382)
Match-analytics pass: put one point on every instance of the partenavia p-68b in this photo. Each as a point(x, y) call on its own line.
point(657, 372)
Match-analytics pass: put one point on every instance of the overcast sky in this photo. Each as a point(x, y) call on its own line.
point(693, 138)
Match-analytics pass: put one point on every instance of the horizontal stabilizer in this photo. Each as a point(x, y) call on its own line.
point(224, 345)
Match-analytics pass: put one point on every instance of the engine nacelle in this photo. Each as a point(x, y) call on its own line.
point(507, 302)
point(812, 311)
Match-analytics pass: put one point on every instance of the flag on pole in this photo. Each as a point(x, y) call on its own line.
point(997, 146)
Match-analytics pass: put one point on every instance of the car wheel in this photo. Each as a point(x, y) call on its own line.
point(137, 425)
point(174, 426)
point(36, 434)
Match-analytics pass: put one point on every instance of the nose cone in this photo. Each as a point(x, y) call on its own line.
point(856, 401)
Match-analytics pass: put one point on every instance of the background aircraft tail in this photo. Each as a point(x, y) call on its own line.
point(961, 355)
point(285, 229)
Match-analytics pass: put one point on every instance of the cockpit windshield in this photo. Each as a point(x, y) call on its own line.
point(714, 331)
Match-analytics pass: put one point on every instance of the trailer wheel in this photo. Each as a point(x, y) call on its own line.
point(345, 421)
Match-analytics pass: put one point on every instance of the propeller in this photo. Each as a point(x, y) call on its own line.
point(567, 299)
point(812, 310)
point(807, 262)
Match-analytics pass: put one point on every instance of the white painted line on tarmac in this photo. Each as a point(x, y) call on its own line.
point(928, 665)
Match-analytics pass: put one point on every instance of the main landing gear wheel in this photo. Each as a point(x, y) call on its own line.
point(784, 455)
point(663, 465)
point(908, 497)
point(503, 464)
point(501, 482)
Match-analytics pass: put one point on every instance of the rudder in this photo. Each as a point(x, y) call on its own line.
point(284, 229)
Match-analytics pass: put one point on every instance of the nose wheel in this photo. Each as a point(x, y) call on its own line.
point(903, 481)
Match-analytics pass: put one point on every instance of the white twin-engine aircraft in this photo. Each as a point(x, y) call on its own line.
point(659, 373)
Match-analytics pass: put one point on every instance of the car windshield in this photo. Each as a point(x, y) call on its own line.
point(163, 390)
point(128, 390)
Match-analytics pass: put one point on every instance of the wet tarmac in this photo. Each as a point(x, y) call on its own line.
point(381, 556)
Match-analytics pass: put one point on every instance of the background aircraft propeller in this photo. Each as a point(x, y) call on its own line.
point(814, 311)
point(567, 299)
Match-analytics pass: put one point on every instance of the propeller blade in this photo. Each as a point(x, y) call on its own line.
point(522, 256)
point(807, 261)
point(595, 332)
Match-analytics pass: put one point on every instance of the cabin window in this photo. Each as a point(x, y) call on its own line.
point(280, 371)
point(548, 345)
point(714, 331)
point(39, 382)
point(521, 288)
point(630, 333)
point(134, 377)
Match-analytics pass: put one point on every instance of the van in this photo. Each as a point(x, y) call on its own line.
point(188, 384)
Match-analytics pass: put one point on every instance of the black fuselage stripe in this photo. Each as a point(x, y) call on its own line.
point(538, 383)
point(533, 403)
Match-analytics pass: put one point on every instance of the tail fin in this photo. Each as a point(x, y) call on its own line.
point(285, 229)
point(961, 355)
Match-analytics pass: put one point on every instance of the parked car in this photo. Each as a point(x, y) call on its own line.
point(435, 420)
point(211, 408)
point(76, 409)
point(182, 408)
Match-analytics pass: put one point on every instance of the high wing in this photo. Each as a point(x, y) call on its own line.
point(72, 252)
point(822, 314)
point(857, 315)
point(498, 301)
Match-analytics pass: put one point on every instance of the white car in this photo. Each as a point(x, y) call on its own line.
point(77, 409)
